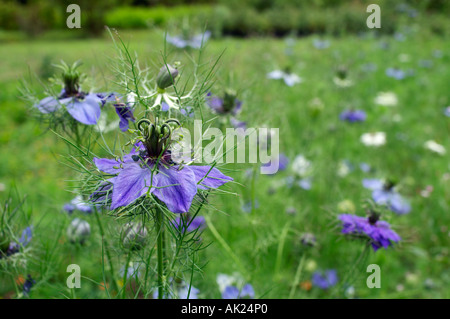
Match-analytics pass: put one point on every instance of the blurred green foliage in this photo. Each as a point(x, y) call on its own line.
point(139, 17)
point(225, 17)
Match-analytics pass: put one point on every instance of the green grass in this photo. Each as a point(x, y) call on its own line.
point(266, 241)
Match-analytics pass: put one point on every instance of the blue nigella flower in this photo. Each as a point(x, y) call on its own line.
point(228, 104)
point(85, 108)
point(176, 186)
point(353, 116)
point(125, 114)
point(232, 292)
point(379, 232)
point(384, 194)
point(325, 280)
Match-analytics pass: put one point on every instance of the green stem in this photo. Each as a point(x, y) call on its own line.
point(297, 277)
point(108, 255)
point(160, 251)
point(253, 189)
point(224, 243)
point(125, 273)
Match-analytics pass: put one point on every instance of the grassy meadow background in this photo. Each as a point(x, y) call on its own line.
point(266, 242)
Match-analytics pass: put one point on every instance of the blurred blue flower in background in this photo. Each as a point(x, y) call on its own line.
point(383, 193)
point(326, 279)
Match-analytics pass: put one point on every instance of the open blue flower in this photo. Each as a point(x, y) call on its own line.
point(385, 194)
point(325, 280)
point(378, 231)
point(232, 292)
point(228, 104)
point(83, 107)
point(141, 173)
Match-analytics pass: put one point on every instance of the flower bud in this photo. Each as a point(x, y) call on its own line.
point(134, 235)
point(342, 72)
point(71, 78)
point(229, 100)
point(166, 77)
point(78, 231)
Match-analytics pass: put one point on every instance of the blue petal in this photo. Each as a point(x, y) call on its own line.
point(399, 205)
point(131, 183)
point(176, 188)
point(214, 178)
point(108, 166)
point(372, 183)
point(85, 111)
point(48, 105)
point(381, 196)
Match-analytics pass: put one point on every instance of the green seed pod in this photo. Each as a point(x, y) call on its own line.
point(229, 100)
point(166, 77)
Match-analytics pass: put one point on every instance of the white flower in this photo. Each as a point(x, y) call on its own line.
point(373, 138)
point(386, 99)
point(2, 187)
point(167, 101)
point(301, 166)
point(289, 78)
point(435, 147)
point(343, 83)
